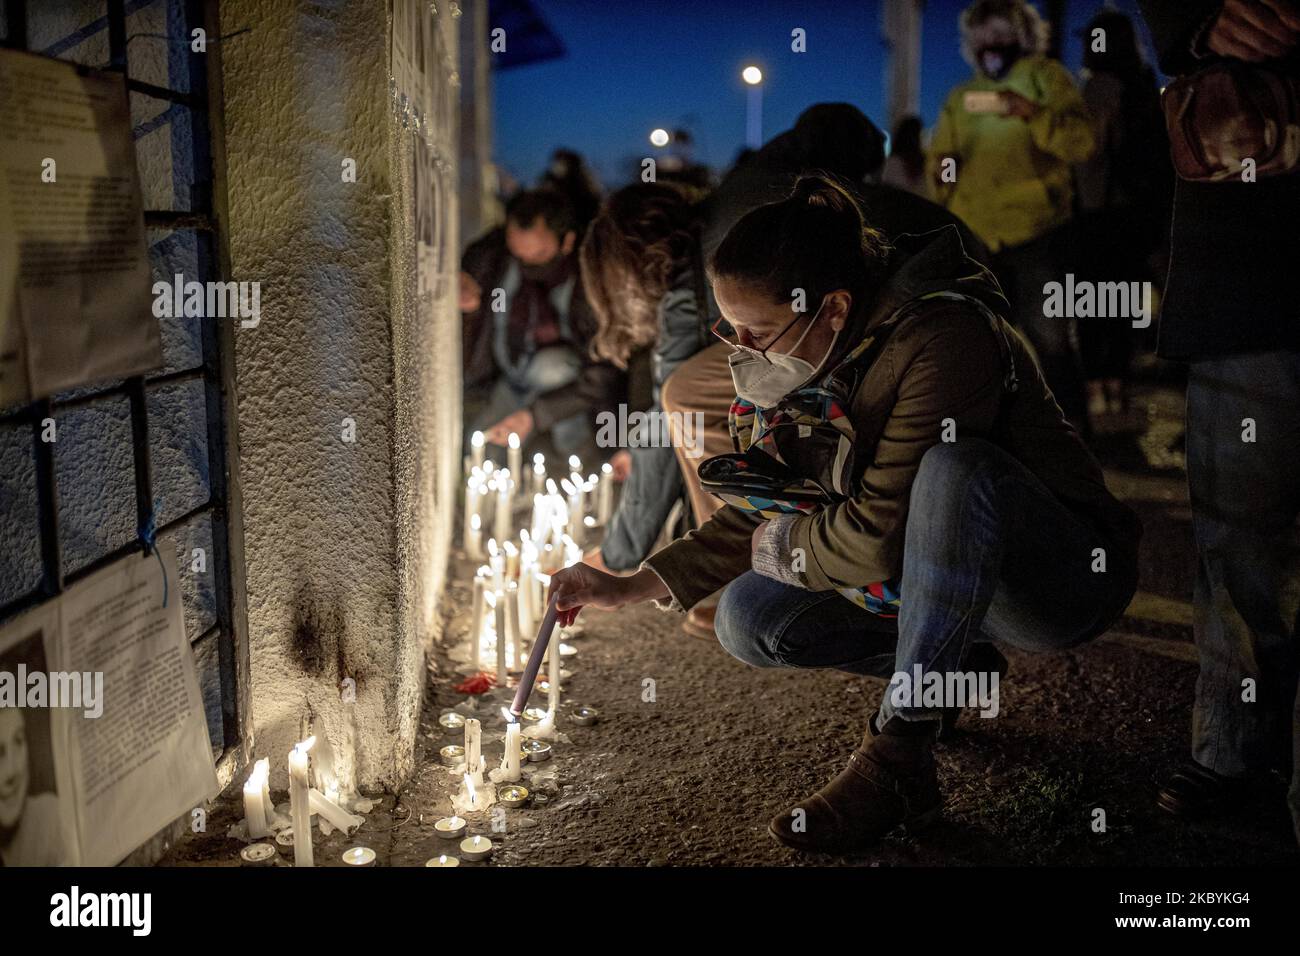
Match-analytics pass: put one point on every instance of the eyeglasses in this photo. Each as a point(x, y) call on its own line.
point(732, 339)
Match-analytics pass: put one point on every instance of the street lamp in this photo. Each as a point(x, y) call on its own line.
point(659, 137)
point(753, 77)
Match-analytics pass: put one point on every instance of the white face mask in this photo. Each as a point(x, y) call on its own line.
point(765, 379)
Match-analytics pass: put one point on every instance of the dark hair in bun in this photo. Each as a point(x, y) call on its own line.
point(816, 239)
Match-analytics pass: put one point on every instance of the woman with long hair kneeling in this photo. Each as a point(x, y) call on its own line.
point(904, 492)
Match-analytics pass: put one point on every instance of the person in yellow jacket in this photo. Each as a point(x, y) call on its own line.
point(1000, 159)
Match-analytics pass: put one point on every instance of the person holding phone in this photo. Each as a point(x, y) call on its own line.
point(904, 490)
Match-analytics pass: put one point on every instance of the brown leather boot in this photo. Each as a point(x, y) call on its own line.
point(890, 781)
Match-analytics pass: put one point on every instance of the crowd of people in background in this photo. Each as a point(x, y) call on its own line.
point(645, 300)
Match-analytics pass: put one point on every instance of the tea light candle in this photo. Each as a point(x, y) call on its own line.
point(257, 802)
point(450, 828)
point(443, 860)
point(451, 755)
point(300, 805)
point(513, 796)
point(476, 848)
point(258, 854)
point(533, 715)
point(537, 750)
point(284, 838)
point(585, 716)
point(451, 722)
point(359, 856)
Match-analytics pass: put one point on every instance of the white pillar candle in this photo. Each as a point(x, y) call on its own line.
point(255, 804)
point(501, 527)
point(553, 676)
point(478, 612)
point(605, 495)
point(331, 812)
point(515, 456)
point(512, 560)
point(539, 473)
point(476, 442)
point(471, 512)
point(512, 622)
point(499, 620)
point(299, 803)
point(574, 524)
point(510, 766)
point(473, 749)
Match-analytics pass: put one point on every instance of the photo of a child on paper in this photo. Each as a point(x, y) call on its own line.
point(30, 832)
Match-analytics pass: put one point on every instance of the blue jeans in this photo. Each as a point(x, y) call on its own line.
point(552, 367)
point(647, 499)
point(1245, 501)
point(990, 555)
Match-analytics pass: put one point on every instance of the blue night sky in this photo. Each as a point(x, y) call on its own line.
point(633, 65)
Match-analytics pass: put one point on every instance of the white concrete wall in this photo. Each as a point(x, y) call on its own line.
point(345, 544)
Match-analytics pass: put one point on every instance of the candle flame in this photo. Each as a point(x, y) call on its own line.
point(476, 439)
point(513, 440)
point(492, 547)
point(607, 469)
point(469, 786)
point(551, 487)
point(575, 463)
point(476, 522)
point(568, 488)
point(488, 466)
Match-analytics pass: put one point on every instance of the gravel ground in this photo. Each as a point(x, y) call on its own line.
point(692, 777)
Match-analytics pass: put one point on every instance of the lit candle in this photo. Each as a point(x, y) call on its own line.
point(256, 802)
point(476, 848)
point(359, 856)
point(574, 493)
point(450, 828)
point(605, 495)
point(512, 796)
point(443, 860)
point(539, 473)
point(515, 455)
point(451, 722)
point(476, 442)
point(299, 803)
point(473, 750)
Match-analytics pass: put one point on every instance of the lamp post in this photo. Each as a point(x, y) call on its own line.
point(753, 77)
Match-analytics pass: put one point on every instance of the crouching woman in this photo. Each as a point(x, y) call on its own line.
point(904, 492)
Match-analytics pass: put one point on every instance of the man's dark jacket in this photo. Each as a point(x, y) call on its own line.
point(599, 384)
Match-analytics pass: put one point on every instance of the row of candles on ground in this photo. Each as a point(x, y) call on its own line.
point(559, 510)
point(305, 801)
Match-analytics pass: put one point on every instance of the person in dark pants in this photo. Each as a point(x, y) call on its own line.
point(1123, 195)
point(528, 369)
point(898, 455)
point(1230, 312)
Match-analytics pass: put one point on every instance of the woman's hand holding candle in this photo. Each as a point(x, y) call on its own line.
point(580, 584)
